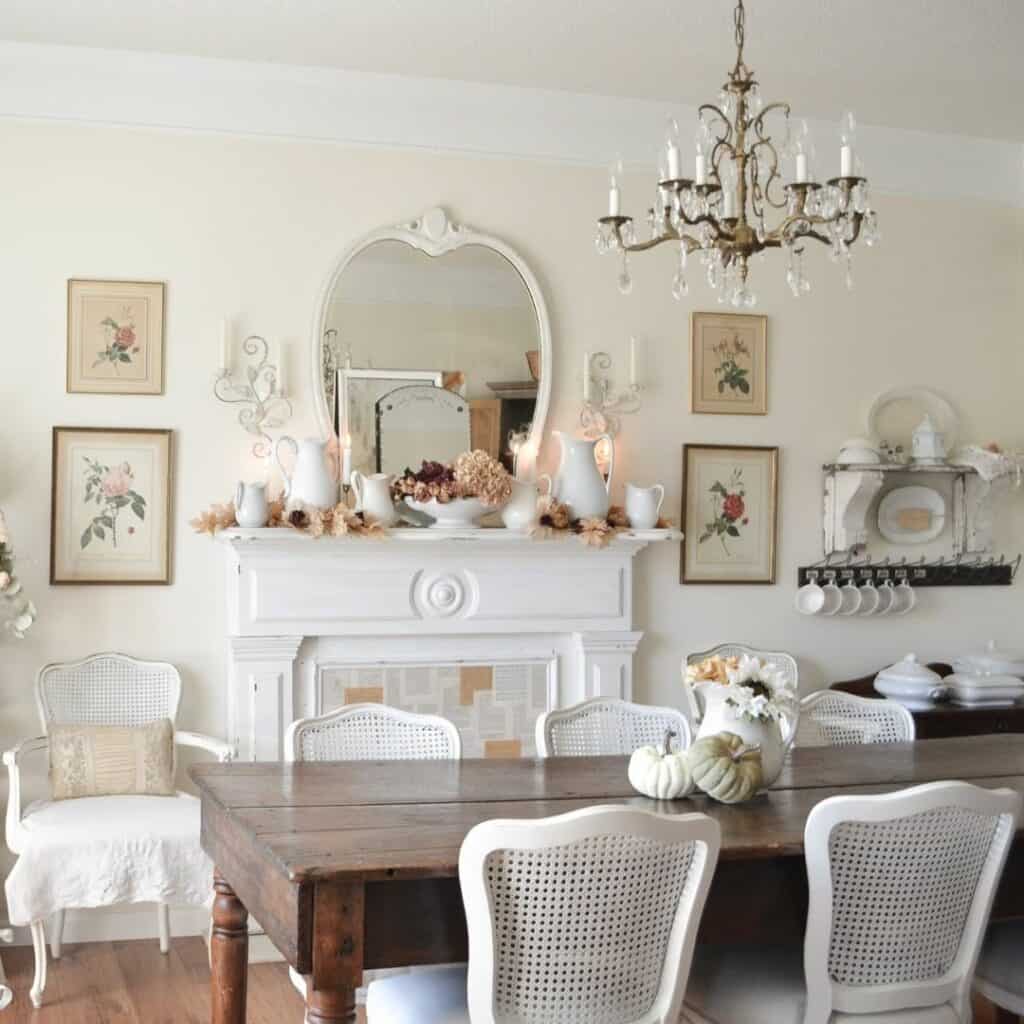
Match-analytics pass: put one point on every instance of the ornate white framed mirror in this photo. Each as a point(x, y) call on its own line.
point(433, 299)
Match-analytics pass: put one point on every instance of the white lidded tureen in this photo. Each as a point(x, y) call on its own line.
point(992, 661)
point(980, 691)
point(911, 684)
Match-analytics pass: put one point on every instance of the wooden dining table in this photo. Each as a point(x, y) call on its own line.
point(353, 866)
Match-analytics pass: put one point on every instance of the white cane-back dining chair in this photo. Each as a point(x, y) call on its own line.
point(783, 663)
point(103, 689)
point(585, 918)
point(372, 732)
point(999, 976)
point(832, 718)
point(901, 886)
point(369, 732)
point(606, 725)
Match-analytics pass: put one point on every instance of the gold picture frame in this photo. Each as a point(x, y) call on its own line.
point(115, 337)
point(729, 364)
point(730, 511)
point(110, 506)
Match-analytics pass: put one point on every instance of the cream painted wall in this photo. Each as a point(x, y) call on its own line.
point(249, 228)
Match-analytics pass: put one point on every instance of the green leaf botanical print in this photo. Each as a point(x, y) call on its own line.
point(731, 352)
point(727, 515)
point(112, 491)
point(121, 338)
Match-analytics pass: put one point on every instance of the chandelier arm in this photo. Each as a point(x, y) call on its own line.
point(727, 137)
point(692, 245)
point(773, 177)
point(758, 122)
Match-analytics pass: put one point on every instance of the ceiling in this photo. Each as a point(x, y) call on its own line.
point(938, 65)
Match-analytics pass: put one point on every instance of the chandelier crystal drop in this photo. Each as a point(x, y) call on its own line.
point(722, 213)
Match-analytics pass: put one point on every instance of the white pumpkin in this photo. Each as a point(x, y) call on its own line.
point(660, 774)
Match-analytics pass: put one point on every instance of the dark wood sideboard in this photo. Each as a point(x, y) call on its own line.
point(947, 719)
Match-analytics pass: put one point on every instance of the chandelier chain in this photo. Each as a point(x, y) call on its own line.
point(739, 19)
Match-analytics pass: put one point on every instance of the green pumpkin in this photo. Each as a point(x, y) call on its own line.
point(726, 768)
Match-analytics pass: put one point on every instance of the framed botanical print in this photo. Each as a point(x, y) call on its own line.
point(115, 337)
point(730, 508)
point(110, 506)
point(729, 363)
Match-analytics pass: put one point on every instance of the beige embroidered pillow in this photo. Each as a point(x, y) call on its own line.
point(107, 760)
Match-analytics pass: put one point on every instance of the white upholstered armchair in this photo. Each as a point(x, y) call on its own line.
point(148, 845)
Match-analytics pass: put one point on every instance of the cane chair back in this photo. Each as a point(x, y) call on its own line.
point(585, 918)
point(901, 886)
point(372, 732)
point(107, 689)
point(831, 718)
point(605, 725)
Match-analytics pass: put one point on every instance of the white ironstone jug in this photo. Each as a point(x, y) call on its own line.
point(251, 508)
point(310, 481)
point(579, 483)
point(520, 512)
point(373, 497)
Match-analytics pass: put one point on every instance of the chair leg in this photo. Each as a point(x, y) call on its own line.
point(163, 916)
point(39, 946)
point(57, 938)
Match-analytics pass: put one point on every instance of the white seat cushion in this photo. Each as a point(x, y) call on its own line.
point(97, 851)
point(423, 997)
point(1000, 972)
point(765, 985)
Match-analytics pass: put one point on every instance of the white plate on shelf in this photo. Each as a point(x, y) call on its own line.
point(911, 515)
point(894, 414)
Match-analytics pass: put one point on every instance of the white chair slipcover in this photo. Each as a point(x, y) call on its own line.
point(901, 886)
point(606, 725)
point(100, 851)
point(585, 918)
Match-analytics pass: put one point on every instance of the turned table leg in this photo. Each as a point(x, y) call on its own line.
point(229, 955)
point(338, 924)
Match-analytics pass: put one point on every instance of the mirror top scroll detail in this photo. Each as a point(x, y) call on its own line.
point(433, 306)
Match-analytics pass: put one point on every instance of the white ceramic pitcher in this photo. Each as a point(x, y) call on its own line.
point(251, 508)
point(643, 505)
point(373, 497)
point(715, 716)
point(520, 512)
point(579, 483)
point(310, 481)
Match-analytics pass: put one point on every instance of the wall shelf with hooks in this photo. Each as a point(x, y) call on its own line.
point(946, 572)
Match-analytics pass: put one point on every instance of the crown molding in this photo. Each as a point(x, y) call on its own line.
point(114, 87)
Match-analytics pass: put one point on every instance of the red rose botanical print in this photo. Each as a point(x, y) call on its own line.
point(112, 490)
point(727, 510)
point(122, 340)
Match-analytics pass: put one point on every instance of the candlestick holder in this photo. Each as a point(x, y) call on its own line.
point(264, 407)
point(601, 411)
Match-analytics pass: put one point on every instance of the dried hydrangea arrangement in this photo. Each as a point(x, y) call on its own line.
point(17, 611)
point(553, 518)
point(339, 521)
point(472, 475)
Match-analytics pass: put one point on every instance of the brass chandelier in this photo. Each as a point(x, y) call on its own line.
point(721, 212)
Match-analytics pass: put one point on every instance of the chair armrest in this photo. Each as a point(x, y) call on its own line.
point(15, 832)
point(223, 751)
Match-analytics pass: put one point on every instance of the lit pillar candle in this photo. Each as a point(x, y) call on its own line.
point(225, 348)
point(586, 376)
point(346, 461)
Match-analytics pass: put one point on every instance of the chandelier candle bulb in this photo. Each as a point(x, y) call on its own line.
point(700, 175)
point(613, 199)
point(801, 168)
point(847, 137)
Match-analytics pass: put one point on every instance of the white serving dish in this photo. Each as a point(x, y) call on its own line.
point(984, 691)
point(858, 451)
point(911, 684)
point(993, 661)
point(901, 500)
point(459, 514)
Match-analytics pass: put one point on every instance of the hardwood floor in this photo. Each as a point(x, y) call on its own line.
point(131, 983)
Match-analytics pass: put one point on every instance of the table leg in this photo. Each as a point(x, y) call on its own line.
point(229, 955)
point(338, 929)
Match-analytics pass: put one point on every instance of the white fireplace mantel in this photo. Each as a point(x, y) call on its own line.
point(296, 603)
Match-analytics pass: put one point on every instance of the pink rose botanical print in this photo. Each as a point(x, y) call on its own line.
point(112, 490)
point(727, 515)
point(122, 340)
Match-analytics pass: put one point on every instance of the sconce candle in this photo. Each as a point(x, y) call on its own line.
point(281, 370)
point(586, 376)
point(346, 461)
point(225, 345)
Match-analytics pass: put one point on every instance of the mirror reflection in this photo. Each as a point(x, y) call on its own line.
point(423, 353)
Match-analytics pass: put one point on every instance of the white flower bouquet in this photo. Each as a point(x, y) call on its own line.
point(17, 611)
point(751, 688)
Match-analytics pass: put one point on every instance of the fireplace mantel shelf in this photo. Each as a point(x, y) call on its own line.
point(637, 539)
